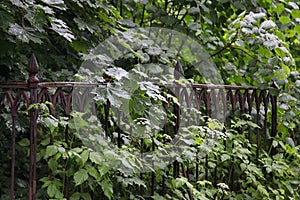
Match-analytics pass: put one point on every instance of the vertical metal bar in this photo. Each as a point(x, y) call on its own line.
point(153, 173)
point(265, 128)
point(121, 8)
point(185, 174)
point(233, 101)
point(177, 120)
point(106, 112)
point(215, 96)
point(13, 156)
point(176, 169)
point(163, 185)
point(274, 122)
point(119, 131)
point(206, 167)
point(33, 86)
point(141, 174)
point(66, 179)
point(266, 106)
point(176, 128)
point(207, 100)
point(257, 102)
point(215, 101)
point(250, 99)
point(166, 128)
point(197, 165)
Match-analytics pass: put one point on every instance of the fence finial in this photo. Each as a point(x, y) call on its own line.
point(33, 69)
point(178, 71)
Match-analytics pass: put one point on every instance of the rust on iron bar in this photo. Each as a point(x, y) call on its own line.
point(68, 84)
point(14, 85)
point(234, 87)
point(24, 85)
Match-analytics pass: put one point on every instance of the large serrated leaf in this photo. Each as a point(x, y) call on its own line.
point(80, 176)
point(194, 10)
point(95, 158)
point(267, 24)
point(61, 28)
point(84, 156)
point(53, 1)
point(51, 150)
point(107, 188)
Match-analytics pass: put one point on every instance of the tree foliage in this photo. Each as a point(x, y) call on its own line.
point(251, 42)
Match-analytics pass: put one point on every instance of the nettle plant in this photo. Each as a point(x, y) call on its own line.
point(79, 158)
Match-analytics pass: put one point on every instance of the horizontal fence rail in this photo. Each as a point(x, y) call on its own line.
point(224, 102)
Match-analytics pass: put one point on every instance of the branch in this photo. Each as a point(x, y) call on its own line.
point(166, 5)
point(227, 46)
point(121, 8)
point(183, 16)
point(143, 15)
point(238, 48)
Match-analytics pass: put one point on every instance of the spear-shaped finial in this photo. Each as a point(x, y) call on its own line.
point(33, 69)
point(178, 72)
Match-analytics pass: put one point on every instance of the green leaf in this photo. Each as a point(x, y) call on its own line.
point(275, 143)
point(51, 123)
point(96, 158)
point(225, 157)
point(86, 196)
point(84, 156)
point(51, 150)
point(280, 52)
point(243, 166)
point(45, 142)
point(117, 73)
point(179, 182)
point(279, 8)
point(267, 24)
point(18, 31)
point(297, 29)
point(94, 172)
point(75, 196)
point(52, 164)
point(259, 15)
point(24, 142)
point(194, 10)
point(53, 1)
point(103, 169)
point(80, 176)
point(296, 13)
point(282, 73)
point(46, 181)
point(61, 28)
point(53, 190)
point(289, 141)
point(262, 190)
point(107, 188)
point(284, 19)
point(293, 5)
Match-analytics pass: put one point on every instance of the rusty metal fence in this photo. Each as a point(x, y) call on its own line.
point(233, 100)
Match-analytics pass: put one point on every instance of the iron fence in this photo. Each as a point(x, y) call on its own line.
point(231, 100)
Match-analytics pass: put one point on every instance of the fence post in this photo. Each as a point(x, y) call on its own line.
point(13, 109)
point(33, 82)
point(274, 122)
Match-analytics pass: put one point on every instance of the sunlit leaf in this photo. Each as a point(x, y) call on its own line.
point(267, 24)
point(284, 19)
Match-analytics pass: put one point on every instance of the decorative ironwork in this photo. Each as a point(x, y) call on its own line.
point(230, 101)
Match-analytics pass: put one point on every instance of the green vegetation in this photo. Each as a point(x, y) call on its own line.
point(253, 43)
